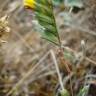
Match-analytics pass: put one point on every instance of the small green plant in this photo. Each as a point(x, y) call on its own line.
point(45, 15)
point(84, 91)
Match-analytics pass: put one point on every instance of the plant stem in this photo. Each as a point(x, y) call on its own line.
point(57, 69)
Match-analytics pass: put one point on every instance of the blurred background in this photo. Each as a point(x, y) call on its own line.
point(22, 48)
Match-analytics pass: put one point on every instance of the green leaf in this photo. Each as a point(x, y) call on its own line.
point(43, 9)
point(50, 37)
point(83, 91)
point(45, 16)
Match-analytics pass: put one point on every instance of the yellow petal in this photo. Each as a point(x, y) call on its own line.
point(29, 4)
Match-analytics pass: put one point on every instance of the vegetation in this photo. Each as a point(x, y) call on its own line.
point(58, 59)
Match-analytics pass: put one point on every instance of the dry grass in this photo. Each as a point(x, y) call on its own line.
point(26, 64)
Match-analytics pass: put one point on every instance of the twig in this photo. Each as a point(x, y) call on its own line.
point(57, 69)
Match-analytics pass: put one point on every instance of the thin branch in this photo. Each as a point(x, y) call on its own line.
point(57, 69)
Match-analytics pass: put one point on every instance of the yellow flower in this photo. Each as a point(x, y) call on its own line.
point(29, 4)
